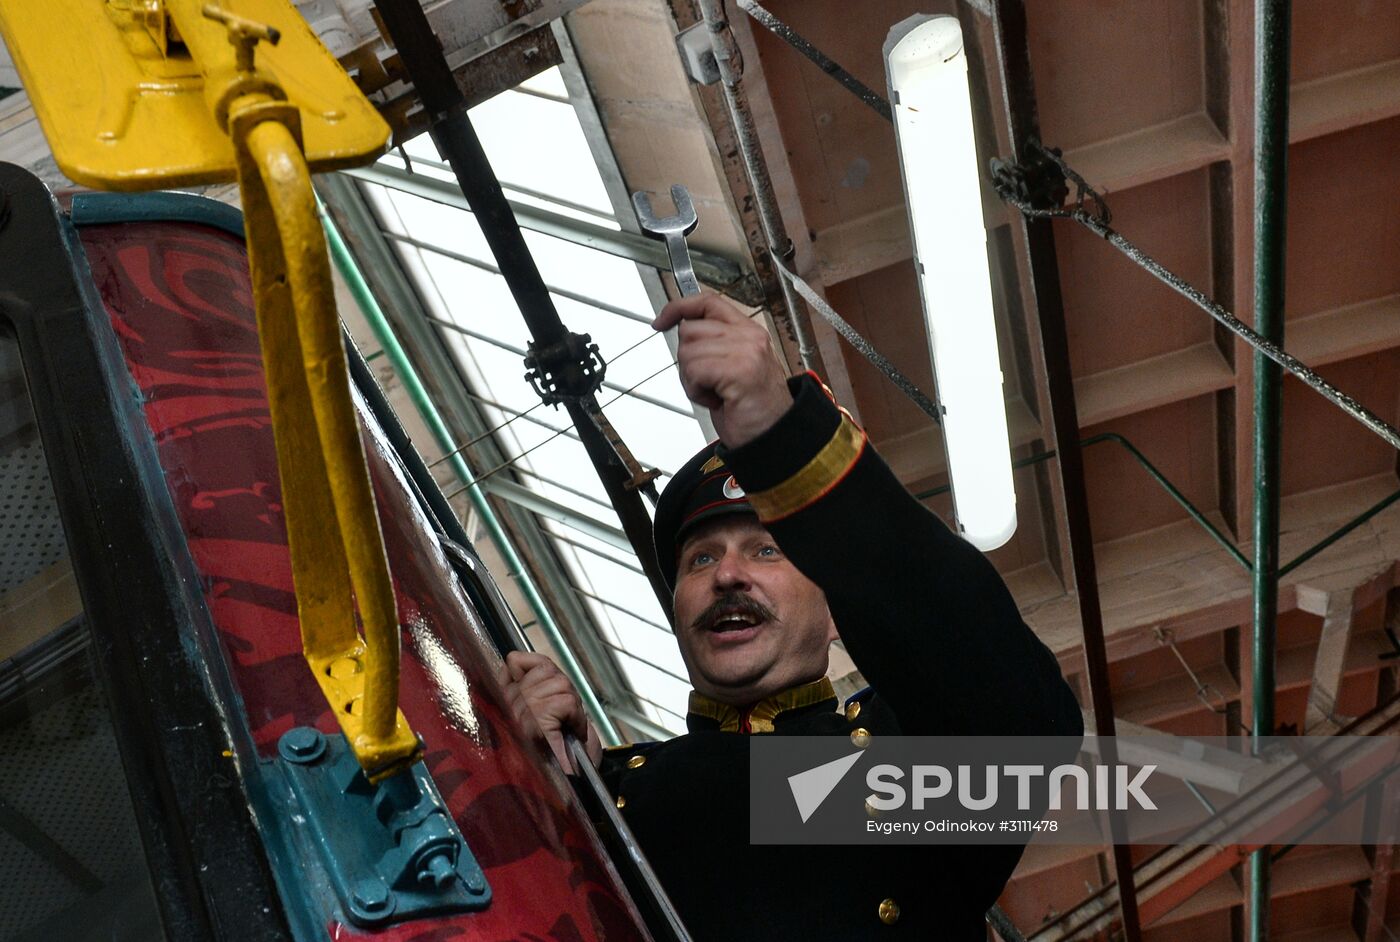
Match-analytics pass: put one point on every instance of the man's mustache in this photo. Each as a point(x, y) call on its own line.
point(729, 603)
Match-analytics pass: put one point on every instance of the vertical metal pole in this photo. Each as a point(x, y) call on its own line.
point(1018, 88)
point(756, 168)
point(1271, 50)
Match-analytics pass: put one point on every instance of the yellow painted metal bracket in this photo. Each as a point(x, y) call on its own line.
point(332, 526)
point(139, 94)
point(131, 93)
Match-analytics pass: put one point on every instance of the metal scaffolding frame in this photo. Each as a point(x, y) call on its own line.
point(1272, 47)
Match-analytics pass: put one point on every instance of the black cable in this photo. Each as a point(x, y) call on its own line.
point(787, 34)
point(862, 346)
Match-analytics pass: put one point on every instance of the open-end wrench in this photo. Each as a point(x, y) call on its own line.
point(672, 230)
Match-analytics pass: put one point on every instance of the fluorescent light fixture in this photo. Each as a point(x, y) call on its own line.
point(927, 73)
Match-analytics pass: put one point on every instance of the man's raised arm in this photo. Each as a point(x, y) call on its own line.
point(922, 612)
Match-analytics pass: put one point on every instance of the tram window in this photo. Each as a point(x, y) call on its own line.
point(71, 864)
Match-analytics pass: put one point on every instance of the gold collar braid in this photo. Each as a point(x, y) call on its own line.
point(762, 714)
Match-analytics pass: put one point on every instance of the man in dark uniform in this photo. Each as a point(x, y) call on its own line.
point(789, 532)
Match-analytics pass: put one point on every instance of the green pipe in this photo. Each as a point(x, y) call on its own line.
point(1151, 469)
point(1271, 51)
point(1337, 534)
point(384, 333)
point(1020, 463)
point(1175, 493)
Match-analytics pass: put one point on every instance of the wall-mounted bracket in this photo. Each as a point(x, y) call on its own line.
point(698, 54)
point(392, 851)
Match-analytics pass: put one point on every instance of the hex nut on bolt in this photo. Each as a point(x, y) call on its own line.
point(371, 899)
point(302, 744)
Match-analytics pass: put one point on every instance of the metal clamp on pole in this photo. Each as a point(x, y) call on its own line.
point(565, 370)
point(570, 371)
point(1036, 181)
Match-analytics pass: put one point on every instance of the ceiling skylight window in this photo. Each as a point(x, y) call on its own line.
point(540, 154)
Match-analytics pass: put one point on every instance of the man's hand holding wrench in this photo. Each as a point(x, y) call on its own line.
point(726, 360)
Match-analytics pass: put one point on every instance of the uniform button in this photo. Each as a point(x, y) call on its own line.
point(621, 802)
point(861, 737)
point(636, 762)
point(889, 912)
point(852, 711)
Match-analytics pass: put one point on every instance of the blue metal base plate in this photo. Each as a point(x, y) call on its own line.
point(391, 850)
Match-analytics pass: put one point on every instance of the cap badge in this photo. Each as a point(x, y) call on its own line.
point(732, 490)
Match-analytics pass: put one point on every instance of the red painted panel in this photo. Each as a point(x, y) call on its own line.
point(180, 300)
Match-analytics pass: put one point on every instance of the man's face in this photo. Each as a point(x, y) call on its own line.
point(748, 623)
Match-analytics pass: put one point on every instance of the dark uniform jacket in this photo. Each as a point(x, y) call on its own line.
point(937, 635)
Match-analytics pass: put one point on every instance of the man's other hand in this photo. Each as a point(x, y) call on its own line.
point(727, 366)
point(539, 691)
